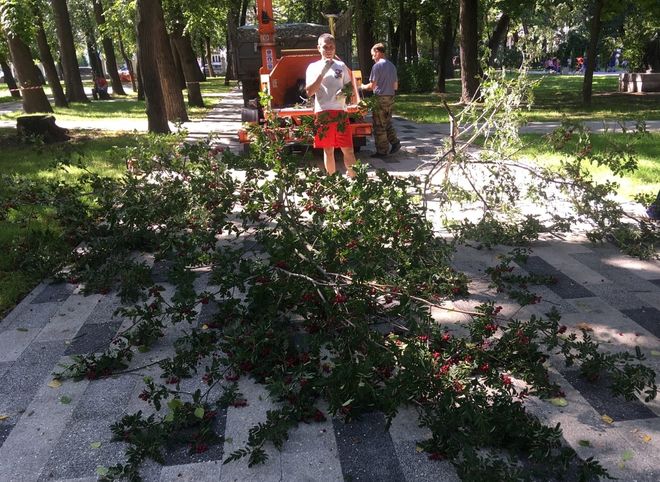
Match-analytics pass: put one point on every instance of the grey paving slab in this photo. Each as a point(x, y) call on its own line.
point(366, 450)
point(616, 296)
point(192, 472)
point(54, 292)
point(27, 448)
point(104, 311)
point(565, 286)
point(23, 329)
point(601, 399)
point(93, 338)
point(646, 317)
point(629, 273)
point(22, 380)
point(68, 319)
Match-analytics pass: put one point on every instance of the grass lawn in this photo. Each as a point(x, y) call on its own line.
point(646, 179)
point(101, 153)
point(121, 107)
point(556, 96)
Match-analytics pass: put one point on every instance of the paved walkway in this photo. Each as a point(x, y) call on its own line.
point(62, 433)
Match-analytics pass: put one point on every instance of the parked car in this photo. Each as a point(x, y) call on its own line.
point(124, 75)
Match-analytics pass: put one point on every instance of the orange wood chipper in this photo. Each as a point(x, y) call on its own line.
point(283, 79)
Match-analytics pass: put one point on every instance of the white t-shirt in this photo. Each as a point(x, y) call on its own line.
point(334, 80)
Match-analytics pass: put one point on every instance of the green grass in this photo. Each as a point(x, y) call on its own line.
point(555, 97)
point(646, 179)
point(101, 153)
point(121, 107)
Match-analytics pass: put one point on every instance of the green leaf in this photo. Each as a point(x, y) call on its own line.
point(21, 329)
point(95, 445)
point(347, 402)
point(102, 471)
point(169, 417)
point(174, 404)
point(65, 400)
point(558, 401)
point(584, 443)
point(655, 352)
point(627, 455)
point(199, 412)
point(143, 348)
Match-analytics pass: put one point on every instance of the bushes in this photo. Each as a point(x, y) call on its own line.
point(416, 77)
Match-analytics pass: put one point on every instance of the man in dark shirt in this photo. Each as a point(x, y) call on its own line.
point(383, 82)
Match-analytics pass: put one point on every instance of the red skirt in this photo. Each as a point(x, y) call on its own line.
point(332, 129)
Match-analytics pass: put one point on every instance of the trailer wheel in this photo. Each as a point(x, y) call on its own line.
point(250, 90)
point(358, 142)
point(250, 115)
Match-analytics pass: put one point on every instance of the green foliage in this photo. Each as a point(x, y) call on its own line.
point(416, 76)
point(16, 19)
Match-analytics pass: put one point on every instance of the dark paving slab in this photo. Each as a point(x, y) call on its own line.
point(92, 338)
point(646, 317)
point(5, 430)
point(22, 380)
point(181, 453)
point(655, 282)
point(54, 292)
point(601, 399)
point(366, 450)
point(565, 287)
point(160, 271)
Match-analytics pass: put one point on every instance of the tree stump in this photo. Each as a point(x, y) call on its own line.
point(42, 126)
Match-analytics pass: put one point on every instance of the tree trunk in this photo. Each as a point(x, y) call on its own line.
point(47, 61)
point(93, 55)
point(34, 98)
point(129, 63)
point(109, 50)
point(140, 82)
point(364, 12)
point(178, 69)
point(176, 108)
point(445, 47)
point(149, 40)
point(190, 69)
point(74, 86)
point(243, 18)
point(403, 27)
point(468, 20)
point(498, 36)
point(207, 42)
point(9, 78)
point(413, 38)
point(594, 33)
point(233, 17)
point(393, 41)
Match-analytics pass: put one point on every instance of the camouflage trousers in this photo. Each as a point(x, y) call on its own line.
point(384, 134)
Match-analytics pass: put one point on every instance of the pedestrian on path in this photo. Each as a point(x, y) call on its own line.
point(384, 82)
point(325, 80)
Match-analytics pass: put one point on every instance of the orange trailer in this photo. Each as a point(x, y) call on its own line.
point(280, 77)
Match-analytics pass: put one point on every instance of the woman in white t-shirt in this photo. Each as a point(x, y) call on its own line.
point(325, 80)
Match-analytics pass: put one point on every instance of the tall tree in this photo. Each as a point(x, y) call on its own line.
point(9, 77)
point(594, 34)
point(176, 108)
point(108, 49)
point(15, 18)
point(47, 60)
point(148, 41)
point(365, 11)
point(74, 86)
point(468, 21)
